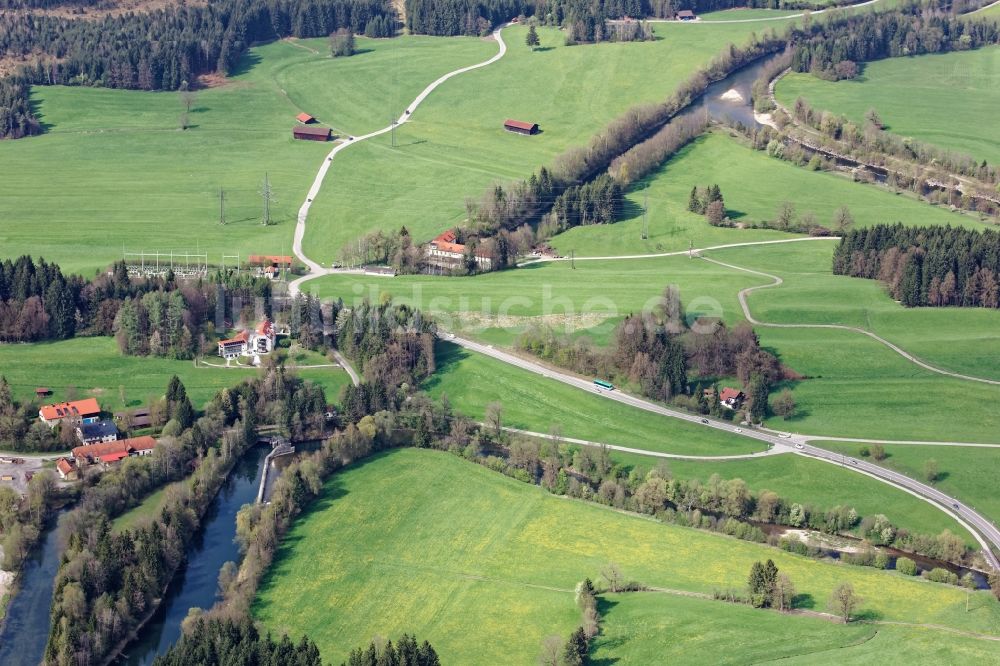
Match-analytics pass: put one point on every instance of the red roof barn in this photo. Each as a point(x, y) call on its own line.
point(311, 133)
point(520, 127)
point(305, 118)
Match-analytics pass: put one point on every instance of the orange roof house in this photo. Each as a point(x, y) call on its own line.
point(109, 452)
point(75, 411)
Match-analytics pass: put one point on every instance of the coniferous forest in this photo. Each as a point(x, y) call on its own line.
point(936, 266)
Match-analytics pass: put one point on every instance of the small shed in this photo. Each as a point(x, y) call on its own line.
point(686, 15)
point(43, 391)
point(520, 127)
point(311, 133)
point(305, 118)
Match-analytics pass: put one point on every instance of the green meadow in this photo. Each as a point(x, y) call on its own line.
point(484, 567)
point(646, 628)
point(949, 100)
point(531, 402)
point(94, 367)
point(120, 173)
point(809, 481)
point(754, 185)
point(593, 296)
point(968, 473)
point(454, 146)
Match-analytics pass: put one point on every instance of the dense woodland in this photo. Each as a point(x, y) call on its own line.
point(935, 266)
point(218, 642)
point(149, 316)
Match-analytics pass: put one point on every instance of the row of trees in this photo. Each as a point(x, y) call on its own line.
point(525, 202)
point(870, 142)
point(238, 642)
point(115, 51)
point(935, 266)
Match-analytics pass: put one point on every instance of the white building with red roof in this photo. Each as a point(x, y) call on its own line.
point(77, 411)
point(249, 343)
point(446, 252)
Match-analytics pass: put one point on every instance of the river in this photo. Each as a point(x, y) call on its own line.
point(196, 584)
point(729, 100)
point(26, 630)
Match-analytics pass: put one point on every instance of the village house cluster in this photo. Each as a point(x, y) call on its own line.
point(99, 437)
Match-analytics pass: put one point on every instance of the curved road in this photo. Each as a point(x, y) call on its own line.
point(984, 531)
point(777, 281)
point(316, 270)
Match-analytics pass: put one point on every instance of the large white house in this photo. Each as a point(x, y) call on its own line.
point(249, 343)
point(443, 251)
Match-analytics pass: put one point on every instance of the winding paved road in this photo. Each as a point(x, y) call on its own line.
point(984, 531)
point(777, 281)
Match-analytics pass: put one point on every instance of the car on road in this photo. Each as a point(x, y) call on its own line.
point(799, 446)
point(955, 506)
point(785, 435)
point(738, 430)
point(704, 420)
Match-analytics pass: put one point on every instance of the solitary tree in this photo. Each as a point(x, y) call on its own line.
point(783, 592)
point(931, 471)
point(786, 215)
point(844, 601)
point(843, 220)
point(342, 43)
point(613, 575)
point(784, 405)
point(494, 418)
point(532, 38)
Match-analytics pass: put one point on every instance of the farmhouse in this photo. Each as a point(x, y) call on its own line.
point(686, 15)
point(269, 265)
point(731, 398)
point(311, 133)
point(444, 252)
point(305, 118)
point(111, 452)
point(520, 127)
point(67, 469)
point(249, 343)
point(96, 432)
point(78, 411)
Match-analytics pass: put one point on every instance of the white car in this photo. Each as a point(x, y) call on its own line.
point(738, 430)
point(799, 447)
point(785, 435)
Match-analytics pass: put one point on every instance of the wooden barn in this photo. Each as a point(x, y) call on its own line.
point(311, 133)
point(520, 127)
point(305, 119)
point(686, 15)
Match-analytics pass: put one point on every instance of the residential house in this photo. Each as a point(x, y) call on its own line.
point(67, 469)
point(111, 452)
point(261, 340)
point(96, 432)
point(76, 412)
point(731, 398)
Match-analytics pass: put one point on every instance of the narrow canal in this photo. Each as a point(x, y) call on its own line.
point(196, 584)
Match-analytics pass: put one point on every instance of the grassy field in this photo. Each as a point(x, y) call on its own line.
point(593, 296)
point(94, 367)
point(119, 172)
point(454, 146)
point(968, 473)
point(484, 567)
point(531, 402)
point(646, 628)
point(149, 507)
point(754, 186)
point(808, 481)
point(946, 99)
